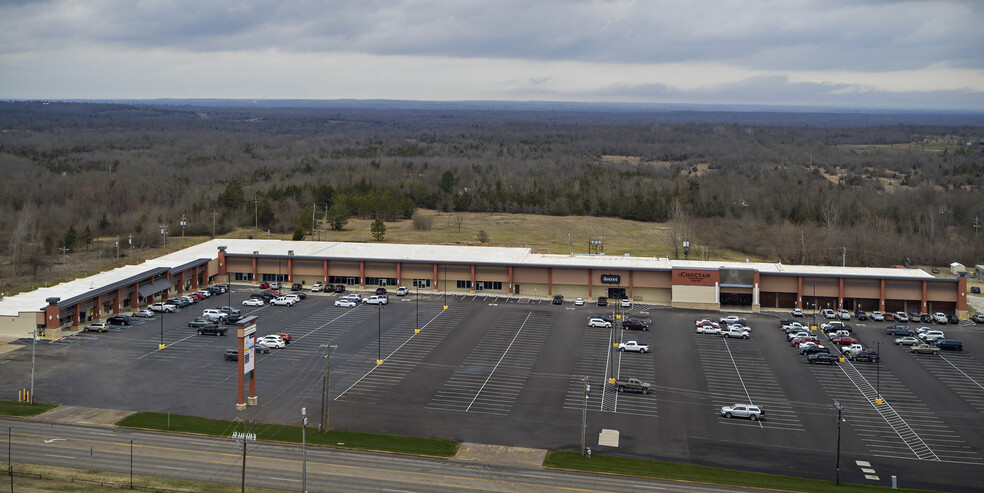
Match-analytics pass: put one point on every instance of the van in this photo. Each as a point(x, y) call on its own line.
point(215, 313)
point(949, 344)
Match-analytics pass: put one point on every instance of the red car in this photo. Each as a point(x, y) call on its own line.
point(800, 340)
point(274, 291)
point(264, 285)
point(844, 340)
point(889, 317)
point(198, 296)
point(285, 336)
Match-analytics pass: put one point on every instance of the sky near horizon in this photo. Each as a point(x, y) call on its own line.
point(855, 54)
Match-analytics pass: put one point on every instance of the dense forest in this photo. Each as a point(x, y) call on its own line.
point(796, 187)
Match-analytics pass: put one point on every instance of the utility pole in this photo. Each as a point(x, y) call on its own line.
point(64, 251)
point(304, 449)
point(164, 234)
point(837, 467)
point(117, 247)
point(183, 223)
point(843, 256)
point(244, 437)
point(314, 208)
point(214, 214)
point(130, 240)
point(584, 411)
point(256, 213)
point(326, 388)
point(34, 345)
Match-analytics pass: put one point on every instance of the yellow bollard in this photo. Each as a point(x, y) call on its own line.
point(160, 346)
point(611, 380)
point(416, 331)
point(445, 307)
point(878, 400)
point(379, 361)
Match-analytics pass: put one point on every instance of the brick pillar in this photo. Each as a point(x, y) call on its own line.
point(840, 293)
point(75, 316)
point(510, 280)
point(961, 297)
point(326, 270)
point(52, 314)
point(435, 278)
point(399, 277)
point(590, 281)
point(881, 296)
point(799, 292)
point(756, 299)
point(194, 279)
point(119, 301)
point(256, 276)
point(362, 274)
point(135, 296)
point(223, 268)
point(204, 279)
point(181, 283)
point(97, 310)
point(290, 270)
point(923, 305)
point(549, 281)
point(631, 282)
point(473, 278)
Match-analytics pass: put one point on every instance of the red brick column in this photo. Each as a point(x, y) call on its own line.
point(362, 274)
point(923, 305)
point(75, 316)
point(590, 281)
point(799, 292)
point(223, 268)
point(840, 293)
point(135, 296)
point(119, 301)
point(326, 270)
point(181, 284)
point(256, 276)
point(435, 278)
point(631, 282)
point(549, 281)
point(194, 279)
point(97, 310)
point(52, 316)
point(881, 297)
point(962, 295)
point(510, 280)
point(399, 277)
point(290, 270)
point(473, 278)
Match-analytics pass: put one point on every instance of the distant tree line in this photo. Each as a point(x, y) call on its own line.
point(881, 193)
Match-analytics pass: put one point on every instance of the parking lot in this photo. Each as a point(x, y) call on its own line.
point(512, 371)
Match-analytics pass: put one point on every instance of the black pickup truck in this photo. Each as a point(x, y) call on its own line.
point(212, 330)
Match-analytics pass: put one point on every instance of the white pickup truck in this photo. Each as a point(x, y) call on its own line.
point(633, 346)
point(851, 349)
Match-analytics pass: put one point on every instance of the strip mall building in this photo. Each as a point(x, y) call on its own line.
point(517, 272)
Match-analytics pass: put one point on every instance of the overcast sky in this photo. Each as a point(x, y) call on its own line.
point(864, 54)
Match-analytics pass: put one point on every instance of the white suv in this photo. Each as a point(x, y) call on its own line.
point(381, 299)
point(932, 335)
point(283, 301)
point(749, 411)
point(939, 317)
point(598, 322)
point(162, 307)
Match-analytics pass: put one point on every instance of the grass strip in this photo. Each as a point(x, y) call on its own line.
point(626, 466)
point(434, 447)
point(14, 408)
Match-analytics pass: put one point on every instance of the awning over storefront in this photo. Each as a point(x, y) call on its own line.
point(153, 288)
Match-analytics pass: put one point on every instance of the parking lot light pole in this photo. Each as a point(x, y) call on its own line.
point(837, 466)
point(878, 399)
point(379, 334)
point(584, 411)
point(416, 326)
point(304, 449)
point(163, 311)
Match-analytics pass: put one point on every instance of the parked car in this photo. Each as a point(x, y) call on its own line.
point(953, 319)
point(253, 302)
point(900, 330)
point(633, 346)
point(259, 347)
point(940, 318)
point(339, 288)
point(231, 355)
point(212, 330)
point(877, 316)
point(597, 322)
point(283, 301)
point(380, 291)
point(285, 336)
point(907, 341)
point(162, 307)
point(901, 317)
point(813, 349)
point(734, 331)
point(602, 316)
point(578, 301)
point(264, 285)
point(356, 297)
point(866, 356)
point(602, 301)
point(402, 291)
point(730, 319)
point(272, 341)
point(949, 344)
point(625, 303)
point(376, 300)
point(978, 318)
point(844, 340)
point(316, 287)
point(708, 329)
point(796, 312)
point(914, 316)
point(825, 358)
point(889, 317)
point(843, 314)
point(828, 313)
point(924, 349)
point(230, 310)
point(558, 300)
point(749, 411)
point(634, 323)
point(275, 285)
point(860, 315)
point(296, 287)
point(118, 320)
point(142, 314)
point(200, 322)
point(346, 303)
point(96, 327)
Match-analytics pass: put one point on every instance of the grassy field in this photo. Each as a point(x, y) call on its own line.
point(566, 459)
point(346, 439)
point(13, 408)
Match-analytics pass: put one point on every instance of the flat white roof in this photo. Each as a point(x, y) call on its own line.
point(34, 301)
